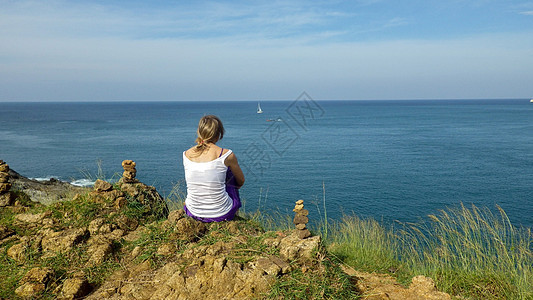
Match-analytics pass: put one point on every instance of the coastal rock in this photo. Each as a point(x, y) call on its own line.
point(5, 232)
point(120, 202)
point(98, 251)
point(4, 177)
point(6, 196)
point(128, 176)
point(18, 252)
point(144, 194)
point(383, 287)
point(74, 288)
point(301, 219)
point(34, 282)
point(127, 223)
point(128, 164)
point(189, 229)
point(292, 247)
point(62, 241)
point(38, 275)
point(30, 290)
point(94, 226)
point(45, 192)
point(102, 186)
point(32, 218)
point(104, 193)
point(4, 168)
point(426, 289)
point(5, 187)
point(7, 199)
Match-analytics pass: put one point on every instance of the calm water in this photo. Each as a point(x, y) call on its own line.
point(393, 160)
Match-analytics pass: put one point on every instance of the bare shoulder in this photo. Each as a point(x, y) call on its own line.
point(231, 159)
point(189, 153)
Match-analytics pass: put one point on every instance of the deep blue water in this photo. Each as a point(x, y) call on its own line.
point(392, 160)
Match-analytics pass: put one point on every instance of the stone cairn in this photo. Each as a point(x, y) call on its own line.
point(6, 196)
point(301, 219)
point(128, 176)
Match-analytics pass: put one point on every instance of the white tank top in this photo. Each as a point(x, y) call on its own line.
point(206, 187)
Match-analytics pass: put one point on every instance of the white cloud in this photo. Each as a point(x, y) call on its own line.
point(527, 13)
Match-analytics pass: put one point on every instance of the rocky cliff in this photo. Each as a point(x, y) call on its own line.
point(119, 241)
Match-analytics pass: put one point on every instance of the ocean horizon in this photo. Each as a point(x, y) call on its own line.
point(393, 160)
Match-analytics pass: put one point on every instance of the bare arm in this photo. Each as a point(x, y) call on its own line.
point(233, 164)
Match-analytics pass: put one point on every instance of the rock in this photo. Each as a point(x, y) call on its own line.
point(30, 290)
point(128, 164)
point(268, 266)
point(305, 233)
point(102, 186)
point(4, 168)
point(285, 267)
point(74, 288)
point(6, 199)
point(101, 196)
point(45, 192)
point(18, 252)
point(303, 212)
point(120, 202)
point(298, 207)
point(189, 229)
point(136, 251)
point(128, 176)
point(5, 232)
point(94, 226)
point(62, 241)
point(99, 251)
point(299, 219)
point(32, 218)
point(4, 187)
point(175, 215)
point(126, 223)
point(424, 288)
point(4, 177)
point(292, 247)
point(166, 249)
point(38, 275)
point(383, 286)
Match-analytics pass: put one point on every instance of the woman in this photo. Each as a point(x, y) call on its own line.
point(213, 175)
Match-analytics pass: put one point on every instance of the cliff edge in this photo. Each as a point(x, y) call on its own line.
point(120, 241)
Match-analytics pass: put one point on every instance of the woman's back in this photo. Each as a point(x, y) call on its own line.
point(206, 193)
point(213, 175)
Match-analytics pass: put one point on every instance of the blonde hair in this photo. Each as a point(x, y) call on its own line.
point(210, 130)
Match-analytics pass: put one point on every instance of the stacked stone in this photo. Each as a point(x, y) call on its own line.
point(128, 176)
point(6, 197)
point(301, 219)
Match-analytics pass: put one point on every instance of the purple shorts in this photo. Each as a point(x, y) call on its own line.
point(233, 192)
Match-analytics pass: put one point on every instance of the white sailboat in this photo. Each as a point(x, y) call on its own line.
point(259, 110)
point(531, 101)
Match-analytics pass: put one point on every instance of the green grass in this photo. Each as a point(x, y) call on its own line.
point(326, 281)
point(468, 252)
point(364, 244)
point(150, 240)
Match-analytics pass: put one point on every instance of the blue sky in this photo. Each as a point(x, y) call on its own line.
point(261, 50)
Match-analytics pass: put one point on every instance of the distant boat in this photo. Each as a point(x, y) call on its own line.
point(259, 110)
point(531, 101)
point(275, 120)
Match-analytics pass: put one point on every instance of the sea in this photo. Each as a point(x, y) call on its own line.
point(395, 161)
